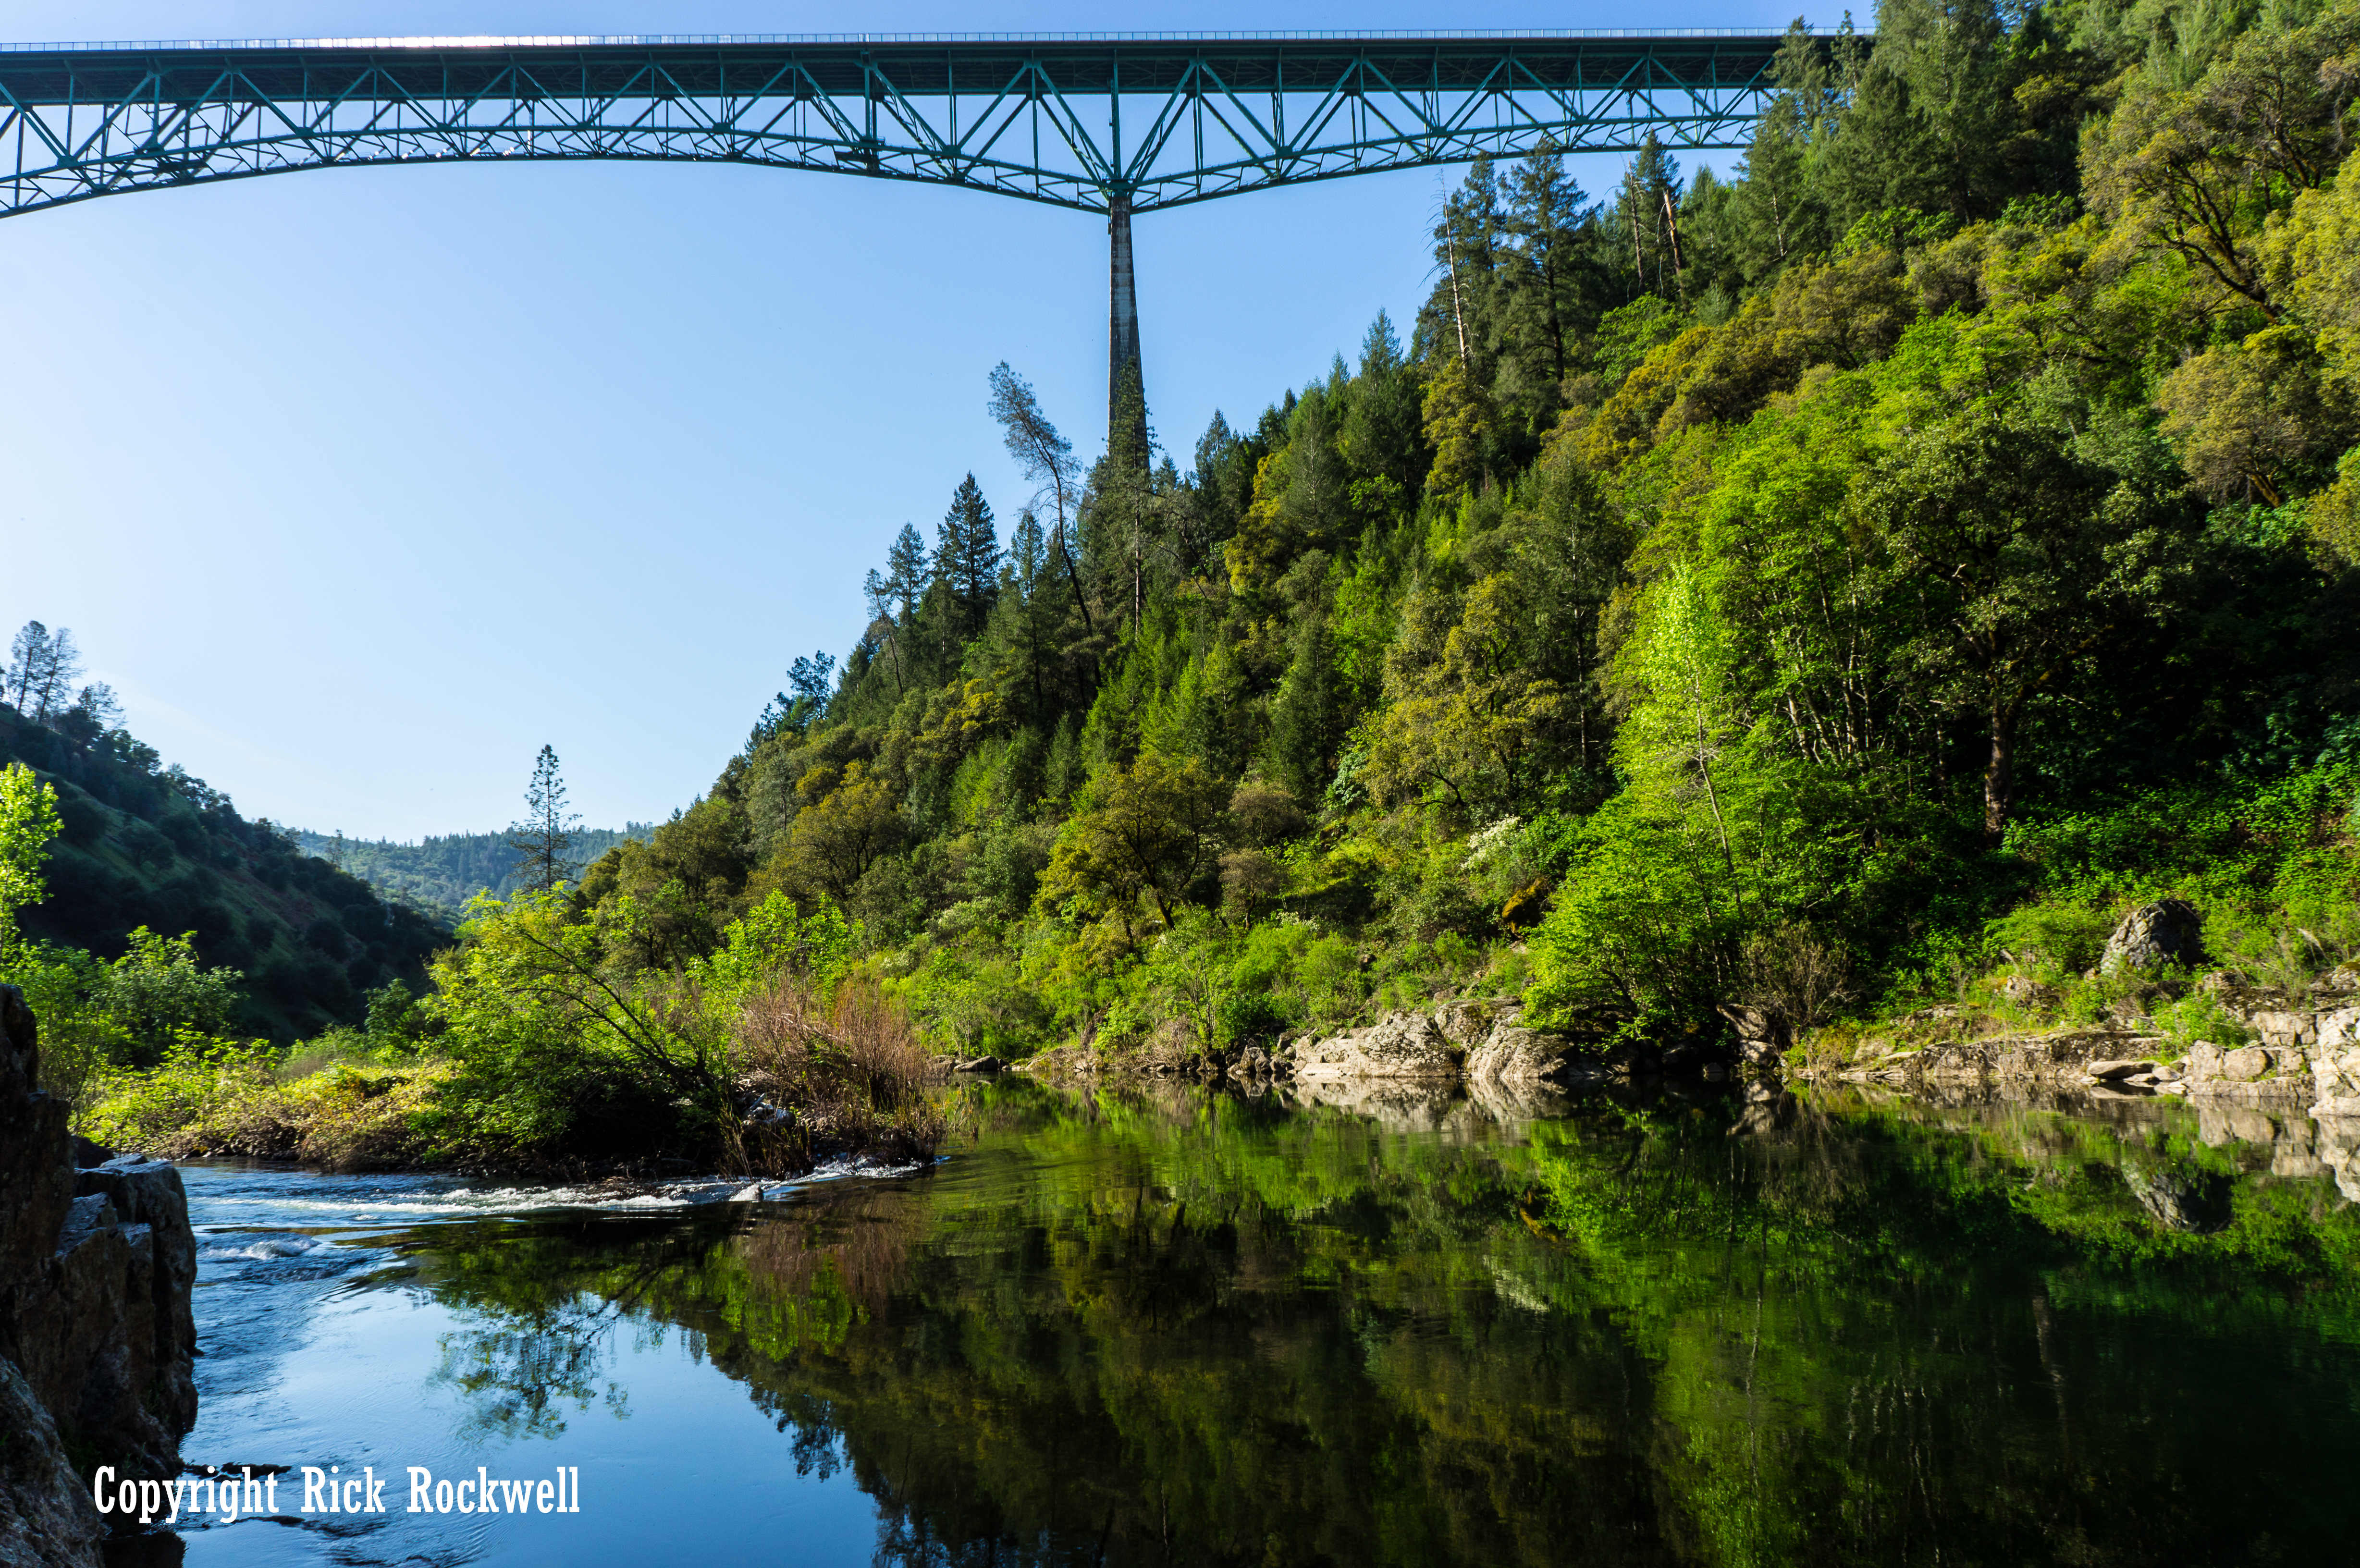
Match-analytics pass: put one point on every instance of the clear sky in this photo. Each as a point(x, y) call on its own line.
point(360, 485)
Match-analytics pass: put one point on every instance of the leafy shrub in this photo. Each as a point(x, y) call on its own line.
point(2221, 844)
point(2064, 938)
point(1246, 1016)
point(2199, 1016)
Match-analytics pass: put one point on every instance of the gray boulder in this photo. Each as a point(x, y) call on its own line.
point(2122, 1068)
point(45, 1517)
point(2167, 931)
point(2246, 1064)
point(1511, 1054)
point(1763, 1035)
point(1402, 1045)
point(1465, 1024)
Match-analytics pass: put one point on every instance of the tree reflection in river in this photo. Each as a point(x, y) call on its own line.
point(1196, 1329)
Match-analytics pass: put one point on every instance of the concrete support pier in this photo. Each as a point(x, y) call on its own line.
point(1122, 314)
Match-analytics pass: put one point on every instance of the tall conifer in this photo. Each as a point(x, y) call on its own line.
point(966, 553)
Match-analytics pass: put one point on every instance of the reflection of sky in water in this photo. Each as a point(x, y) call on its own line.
point(317, 1352)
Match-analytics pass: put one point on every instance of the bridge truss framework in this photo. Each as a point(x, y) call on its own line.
point(1114, 125)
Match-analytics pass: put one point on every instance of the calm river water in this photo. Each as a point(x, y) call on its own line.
point(1196, 1329)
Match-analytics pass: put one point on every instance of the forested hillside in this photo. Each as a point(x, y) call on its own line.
point(145, 845)
point(1741, 590)
point(440, 873)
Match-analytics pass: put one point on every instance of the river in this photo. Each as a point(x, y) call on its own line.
point(1181, 1327)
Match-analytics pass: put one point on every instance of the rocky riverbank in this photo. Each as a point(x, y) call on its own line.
point(96, 1337)
point(2305, 1053)
point(1466, 1042)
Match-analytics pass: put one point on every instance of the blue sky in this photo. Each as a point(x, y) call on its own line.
point(361, 485)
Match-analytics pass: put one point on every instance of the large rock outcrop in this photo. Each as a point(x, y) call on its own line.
point(96, 1336)
point(1400, 1045)
point(1514, 1055)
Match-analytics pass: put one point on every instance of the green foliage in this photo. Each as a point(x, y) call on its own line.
point(196, 1084)
point(143, 844)
point(553, 1046)
point(2063, 938)
point(28, 819)
point(2200, 1016)
point(157, 992)
point(2235, 843)
point(1249, 1017)
point(775, 935)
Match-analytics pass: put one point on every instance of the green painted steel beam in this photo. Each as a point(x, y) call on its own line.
point(1151, 120)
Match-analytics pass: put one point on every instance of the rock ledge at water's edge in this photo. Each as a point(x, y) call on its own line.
point(97, 1334)
point(1479, 1043)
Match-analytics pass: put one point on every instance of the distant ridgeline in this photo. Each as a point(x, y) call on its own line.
point(440, 875)
point(145, 844)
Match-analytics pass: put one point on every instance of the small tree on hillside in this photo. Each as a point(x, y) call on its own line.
point(42, 669)
point(543, 840)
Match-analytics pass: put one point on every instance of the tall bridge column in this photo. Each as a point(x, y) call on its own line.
point(1122, 314)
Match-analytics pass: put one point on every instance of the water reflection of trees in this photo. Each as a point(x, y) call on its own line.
point(1130, 1329)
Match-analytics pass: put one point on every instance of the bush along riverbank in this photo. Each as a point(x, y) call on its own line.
point(534, 1051)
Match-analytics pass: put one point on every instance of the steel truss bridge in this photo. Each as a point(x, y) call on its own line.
point(1109, 123)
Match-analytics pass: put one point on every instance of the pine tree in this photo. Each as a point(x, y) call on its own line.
point(1124, 488)
point(1028, 551)
point(1046, 459)
point(1545, 294)
point(1466, 256)
point(884, 632)
point(967, 555)
point(1651, 196)
point(905, 570)
point(542, 840)
point(42, 669)
point(1778, 217)
point(27, 655)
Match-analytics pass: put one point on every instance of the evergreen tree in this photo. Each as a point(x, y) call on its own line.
point(1381, 437)
point(1047, 459)
point(1651, 195)
point(1028, 551)
point(42, 669)
point(968, 554)
point(1544, 276)
point(905, 570)
point(1123, 525)
point(542, 840)
point(1467, 240)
